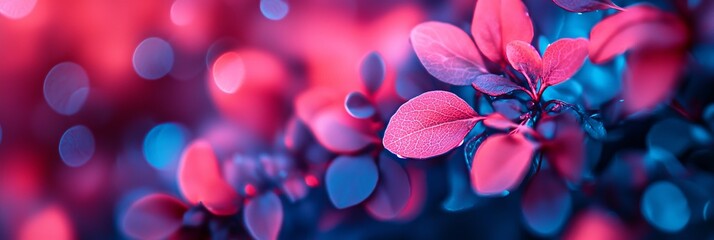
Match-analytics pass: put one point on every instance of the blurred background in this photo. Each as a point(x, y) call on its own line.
point(99, 98)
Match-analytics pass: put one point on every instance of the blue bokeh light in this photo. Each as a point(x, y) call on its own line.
point(153, 58)
point(66, 88)
point(163, 144)
point(274, 9)
point(76, 146)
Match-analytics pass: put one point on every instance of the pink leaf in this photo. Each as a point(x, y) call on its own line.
point(596, 223)
point(640, 27)
point(429, 125)
point(155, 216)
point(447, 52)
point(524, 58)
point(339, 132)
point(562, 59)
point(546, 203)
point(392, 192)
point(495, 85)
point(500, 163)
point(200, 180)
point(580, 6)
point(323, 111)
point(497, 23)
point(263, 216)
point(651, 77)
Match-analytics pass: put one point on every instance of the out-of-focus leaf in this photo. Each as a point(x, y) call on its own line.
point(392, 192)
point(500, 163)
point(372, 71)
point(154, 216)
point(447, 53)
point(263, 216)
point(546, 203)
point(497, 23)
point(200, 180)
point(359, 106)
point(596, 223)
point(639, 27)
point(651, 78)
point(350, 180)
point(586, 5)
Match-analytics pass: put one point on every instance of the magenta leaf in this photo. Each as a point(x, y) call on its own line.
point(392, 192)
point(200, 180)
point(428, 125)
point(359, 106)
point(562, 59)
point(566, 151)
point(525, 59)
point(639, 27)
point(447, 53)
point(580, 6)
point(546, 203)
point(323, 111)
point(495, 85)
point(350, 180)
point(651, 78)
point(498, 121)
point(597, 223)
point(372, 71)
point(155, 216)
point(497, 23)
point(500, 163)
point(263, 216)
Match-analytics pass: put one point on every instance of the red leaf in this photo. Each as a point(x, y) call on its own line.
point(200, 180)
point(447, 52)
point(586, 5)
point(562, 59)
point(525, 59)
point(651, 77)
point(639, 27)
point(497, 23)
point(428, 125)
point(500, 163)
point(263, 216)
point(495, 85)
point(154, 216)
